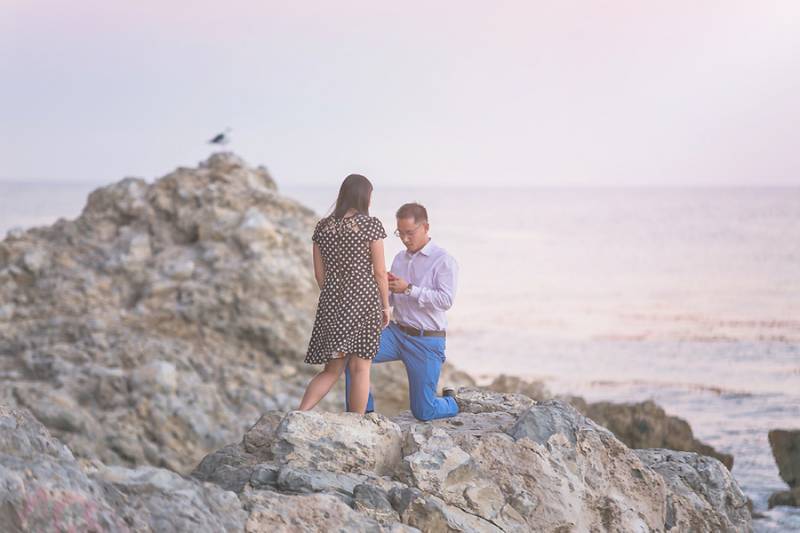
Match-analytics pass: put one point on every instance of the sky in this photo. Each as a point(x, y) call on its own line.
point(445, 93)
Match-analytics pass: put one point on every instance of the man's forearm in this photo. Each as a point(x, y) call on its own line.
point(441, 299)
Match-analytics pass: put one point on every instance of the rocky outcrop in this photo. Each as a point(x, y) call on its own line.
point(165, 319)
point(638, 425)
point(505, 463)
point(43, 488)
point(513, 384)
point(785, 446)
point(646, 425)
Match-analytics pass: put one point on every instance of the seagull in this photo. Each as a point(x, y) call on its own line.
point(221, 138)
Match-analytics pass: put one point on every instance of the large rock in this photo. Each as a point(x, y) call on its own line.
point(638, 425)
point(43, 488)
point(160, 324)
point(497, 466)
point(785, 446)
point(514, 384)
point(505, 463)
point(646, 425)
point(711, 496)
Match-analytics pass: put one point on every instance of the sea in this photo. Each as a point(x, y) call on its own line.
point(686, 296)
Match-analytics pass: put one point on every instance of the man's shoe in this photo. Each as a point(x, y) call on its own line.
point(449, 391)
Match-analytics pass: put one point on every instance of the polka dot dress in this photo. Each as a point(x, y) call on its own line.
point(348, 316)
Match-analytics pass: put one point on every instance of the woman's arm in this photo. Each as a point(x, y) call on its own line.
point(319, 266)
point(379, 271)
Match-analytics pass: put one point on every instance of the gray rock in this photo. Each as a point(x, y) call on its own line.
point(152, 334)
point(476, 400)
point(374, 502)
point(785, 446)
point(273, 512)
point(544, 420)
point(169, 317)
point(545, 468)
point(345, 442)
point(165, 501)
point(536, 390)
point(431, 514)
point(294, 480)
point(43, 488)
point(789, 498)
point(231, 468)
point(265, 476)
point(646, 425)
point(712, 501)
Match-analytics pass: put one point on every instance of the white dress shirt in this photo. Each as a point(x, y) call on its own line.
point(433, 273)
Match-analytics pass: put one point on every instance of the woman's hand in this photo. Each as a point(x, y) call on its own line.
point(386, 317)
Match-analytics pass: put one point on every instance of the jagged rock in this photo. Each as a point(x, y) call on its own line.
point(476, 400)
point(341, 441)
point(785, 446)
point(536, 390)
point(158, 325)
point(374, 502)
point(639, 425)
point(43, 488)
point(170, 316)
point(715, 502)
point(785, 497)
point(160, 500)
point(272, 512)
point(431, 514)
point(504, 463)
point(542, 468)
point(646, 425)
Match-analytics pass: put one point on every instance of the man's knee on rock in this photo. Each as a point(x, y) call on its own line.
point(423, 412)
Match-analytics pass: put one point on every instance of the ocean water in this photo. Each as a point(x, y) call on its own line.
point(689, 297)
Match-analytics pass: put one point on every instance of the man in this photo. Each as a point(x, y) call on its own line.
point(422, 282)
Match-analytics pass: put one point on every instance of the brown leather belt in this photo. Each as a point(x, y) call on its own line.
point(414, 332)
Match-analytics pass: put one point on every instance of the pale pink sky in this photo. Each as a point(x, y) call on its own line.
point(442, 93)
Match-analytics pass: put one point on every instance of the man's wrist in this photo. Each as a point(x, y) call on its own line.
point(408, 290)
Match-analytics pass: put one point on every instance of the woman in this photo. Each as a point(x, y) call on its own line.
point(354, 302)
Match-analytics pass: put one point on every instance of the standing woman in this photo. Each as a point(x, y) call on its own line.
point(354, 303)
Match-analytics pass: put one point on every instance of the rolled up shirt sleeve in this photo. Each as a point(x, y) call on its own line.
point(441, 296)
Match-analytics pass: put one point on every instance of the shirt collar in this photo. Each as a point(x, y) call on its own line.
point(426, 250)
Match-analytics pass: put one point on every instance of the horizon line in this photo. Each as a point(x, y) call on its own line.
point(517, 186)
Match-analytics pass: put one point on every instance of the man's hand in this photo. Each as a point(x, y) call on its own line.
point(397, 285)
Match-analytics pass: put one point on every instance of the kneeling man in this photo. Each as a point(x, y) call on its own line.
point(422, 282)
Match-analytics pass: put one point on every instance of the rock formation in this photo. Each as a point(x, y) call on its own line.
point(646, 425)
point(638, 425)
point(165, 319)
point(506, 463)
point(43, 488)
point(785, 446)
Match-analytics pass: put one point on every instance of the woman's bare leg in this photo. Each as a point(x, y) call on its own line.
point(319, 386)
point(359, 383)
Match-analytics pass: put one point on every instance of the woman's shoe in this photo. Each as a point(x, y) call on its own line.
point(449, 391)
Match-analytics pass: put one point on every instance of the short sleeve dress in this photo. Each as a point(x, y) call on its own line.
point(348, 318)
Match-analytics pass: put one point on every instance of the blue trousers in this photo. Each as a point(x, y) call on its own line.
point(423, 358)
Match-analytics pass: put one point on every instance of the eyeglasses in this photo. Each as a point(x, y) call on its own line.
point(401, 234)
